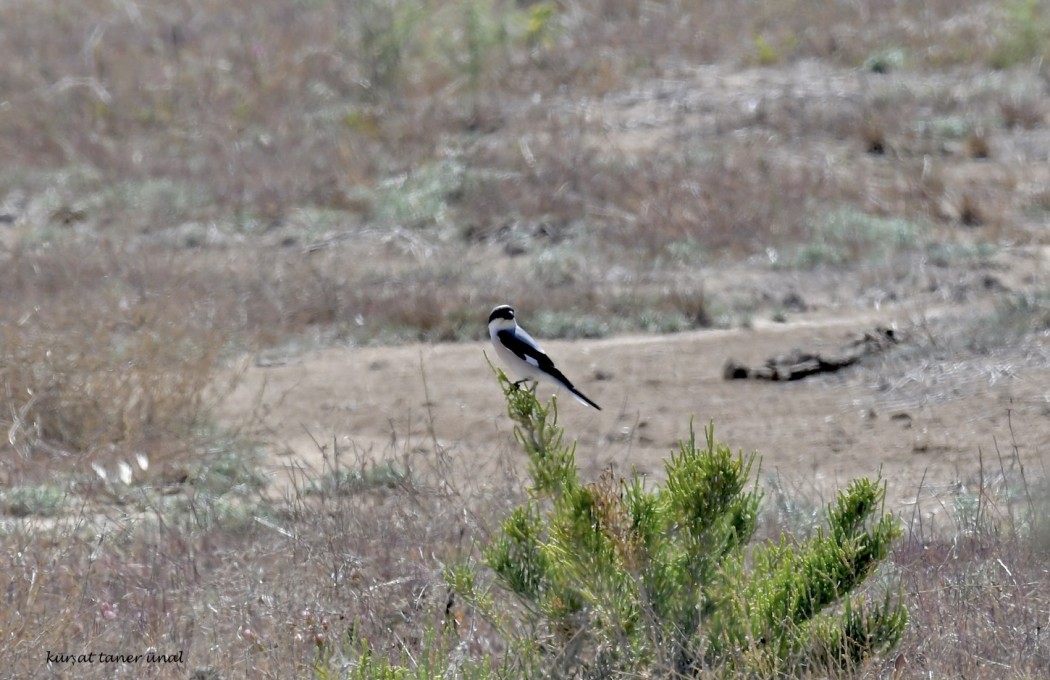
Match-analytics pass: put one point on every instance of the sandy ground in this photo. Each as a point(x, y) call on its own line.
point(927, 416)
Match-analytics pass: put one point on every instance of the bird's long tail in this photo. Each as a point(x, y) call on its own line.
point(582, 398)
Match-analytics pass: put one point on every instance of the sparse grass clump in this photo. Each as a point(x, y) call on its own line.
point(1016, 316)
point(849, 236)
point(42, 500)
point(100, 356)
point(386, 475)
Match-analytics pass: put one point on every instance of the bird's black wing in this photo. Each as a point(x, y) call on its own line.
point(527, 351)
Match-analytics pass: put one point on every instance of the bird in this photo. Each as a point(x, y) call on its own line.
point(516, 348)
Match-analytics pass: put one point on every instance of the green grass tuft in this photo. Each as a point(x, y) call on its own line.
point(849, 236)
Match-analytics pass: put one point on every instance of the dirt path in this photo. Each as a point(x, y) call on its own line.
point(928, 419)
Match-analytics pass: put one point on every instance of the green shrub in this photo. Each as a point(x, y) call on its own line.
point(1025, 36)
point(621, 576)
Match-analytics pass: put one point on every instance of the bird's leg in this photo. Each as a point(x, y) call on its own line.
point(517, 383)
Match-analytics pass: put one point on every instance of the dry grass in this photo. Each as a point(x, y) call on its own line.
point(188, 181)
point(263, 588)
point(101, 358)
point(980, 601)
point(297, 587)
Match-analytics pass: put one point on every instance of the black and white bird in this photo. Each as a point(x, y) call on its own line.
point(523, 355)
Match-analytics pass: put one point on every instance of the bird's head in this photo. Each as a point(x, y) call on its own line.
point(502, 317)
